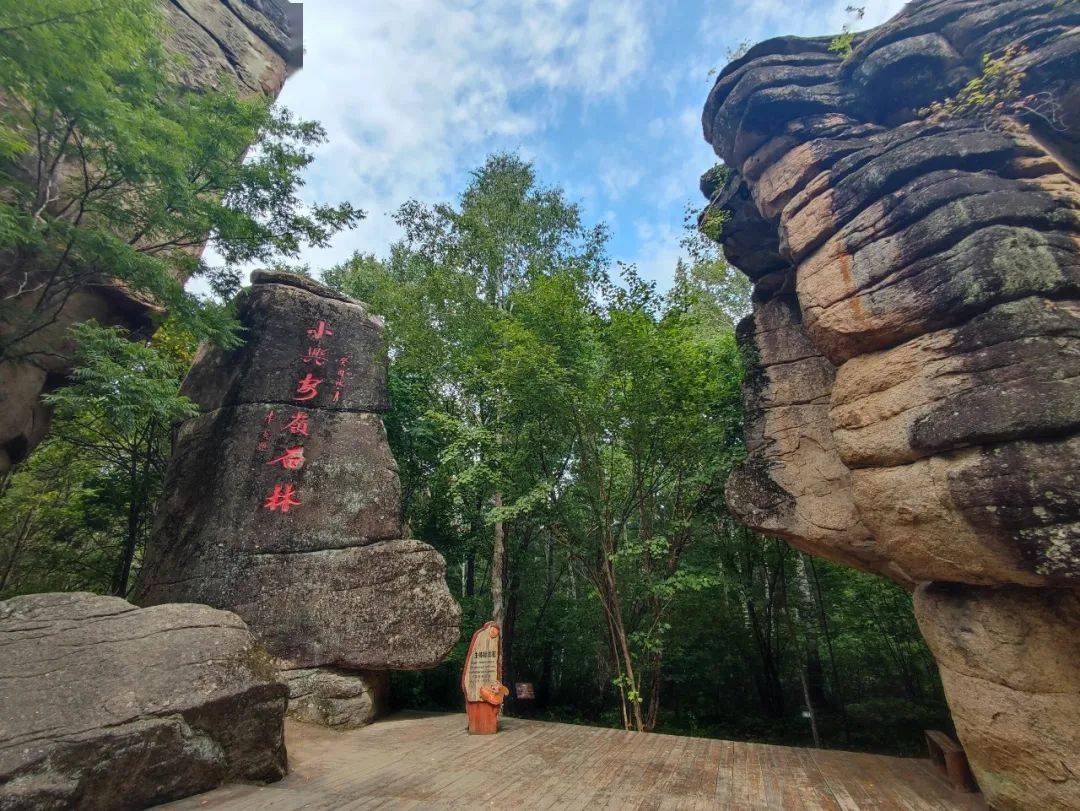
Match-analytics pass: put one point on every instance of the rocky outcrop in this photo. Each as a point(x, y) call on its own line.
point(282, 501)
point(255, 44)
point(105, 705)
point(911, 393)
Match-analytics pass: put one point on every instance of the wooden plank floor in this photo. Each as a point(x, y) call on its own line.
point(417, 760)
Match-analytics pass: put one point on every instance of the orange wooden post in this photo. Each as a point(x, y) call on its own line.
point(481, 681)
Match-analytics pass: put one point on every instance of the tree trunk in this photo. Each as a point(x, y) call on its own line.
point(16, 549)
point(509, 635)
point(810, 709)
point(810, 620)
point(543, 693)
point(620, 679)
point(470, 574)
point(767, 682)
point(837, 687)
point(131, 538)
point(653, 713)
point(498, 568)
point(610, 595)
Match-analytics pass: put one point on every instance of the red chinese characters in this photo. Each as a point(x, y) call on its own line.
point(339, 381)
point(292, 459)
point(307, 388)
point(321, 330)
point(264, 437)
point(316, 355)
point(282, 499)
point(298, 425)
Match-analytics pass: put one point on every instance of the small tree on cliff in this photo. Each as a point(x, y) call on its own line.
point(110, 172)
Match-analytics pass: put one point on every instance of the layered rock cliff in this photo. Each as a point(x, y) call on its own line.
point(282, 503)
point(256, 44)
point(914, 348)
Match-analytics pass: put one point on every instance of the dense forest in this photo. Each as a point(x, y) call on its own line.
point(563, 427)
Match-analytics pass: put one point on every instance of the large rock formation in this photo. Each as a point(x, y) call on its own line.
point(254, 43)
point(104, 705)
point(912, 400)
point(282, 501)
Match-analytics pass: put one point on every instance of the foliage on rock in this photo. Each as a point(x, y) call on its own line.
point(113, 174)
point(997, 92)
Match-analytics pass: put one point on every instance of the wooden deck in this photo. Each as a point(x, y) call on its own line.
point(414, 760)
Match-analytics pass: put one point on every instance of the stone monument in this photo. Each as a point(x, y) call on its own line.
point(282, 504)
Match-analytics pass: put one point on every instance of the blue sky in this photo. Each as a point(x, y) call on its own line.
point(604, 96)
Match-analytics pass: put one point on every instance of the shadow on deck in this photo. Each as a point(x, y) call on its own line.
point(422, 760)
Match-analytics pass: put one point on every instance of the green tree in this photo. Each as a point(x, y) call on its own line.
point(584, 424)
point(111, 172)
point(81, 509)
point(448, 292)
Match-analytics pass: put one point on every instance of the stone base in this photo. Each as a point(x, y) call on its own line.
point(343, 699)
point(1010, 665)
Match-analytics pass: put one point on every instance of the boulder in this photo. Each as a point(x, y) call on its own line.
point(282, 501)
point(105, 705)
point(911, 392)
point(376, 606)
point(336, 698)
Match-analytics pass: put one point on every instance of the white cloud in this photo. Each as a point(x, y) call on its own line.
point(761, 19)
point(413, 91)
point(659, 250)
point(619, 173)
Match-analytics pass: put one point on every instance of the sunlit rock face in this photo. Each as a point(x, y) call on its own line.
point(282, 501)
point(251, 44)
point(914, 346)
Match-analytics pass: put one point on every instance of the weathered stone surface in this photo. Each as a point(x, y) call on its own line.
point(104, 705)
point(323, 578)
point(219, 478)
point(937, 518)
point(381, 606)
point(1008, 373)
point(1010, 662)
point(229, 39)
point(928, 272)
point(276, 306)
point(797, 488)
point(254, 44)
point(912, 397)
point(336, 698)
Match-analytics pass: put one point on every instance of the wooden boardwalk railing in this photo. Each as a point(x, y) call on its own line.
point(415, 760)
